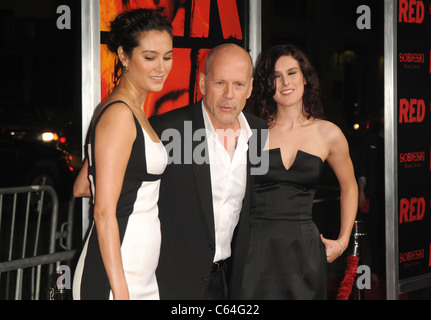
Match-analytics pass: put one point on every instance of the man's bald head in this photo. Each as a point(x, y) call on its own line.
point(225, 50)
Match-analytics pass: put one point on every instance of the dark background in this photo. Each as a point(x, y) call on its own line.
point(349, 61)
point(40, 64)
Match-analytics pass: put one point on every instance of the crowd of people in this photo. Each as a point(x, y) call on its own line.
point(208, 226)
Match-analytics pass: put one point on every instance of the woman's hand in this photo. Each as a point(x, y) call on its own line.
point(81, 186)
point(333, 248)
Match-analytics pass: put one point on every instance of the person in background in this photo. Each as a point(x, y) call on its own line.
point(124, 164)
point(287, 256)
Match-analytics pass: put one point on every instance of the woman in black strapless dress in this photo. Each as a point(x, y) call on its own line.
point(286, 256)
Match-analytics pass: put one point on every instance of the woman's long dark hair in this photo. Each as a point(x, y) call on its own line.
point(262, 103)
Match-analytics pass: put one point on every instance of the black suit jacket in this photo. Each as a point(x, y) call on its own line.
point(186, 208)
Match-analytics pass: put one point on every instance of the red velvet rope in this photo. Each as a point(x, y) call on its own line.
point(349, 277)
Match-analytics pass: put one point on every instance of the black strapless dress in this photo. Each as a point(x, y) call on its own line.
point(286, 257)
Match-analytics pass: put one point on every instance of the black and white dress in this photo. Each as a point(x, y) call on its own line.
point(138, 221)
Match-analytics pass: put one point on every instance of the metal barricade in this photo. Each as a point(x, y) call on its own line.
point(28, 240)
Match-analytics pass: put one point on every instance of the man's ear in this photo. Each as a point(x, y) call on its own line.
point(251, 88)
point(202, 83)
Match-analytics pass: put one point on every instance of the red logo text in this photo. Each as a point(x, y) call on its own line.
point(412, 57)
point(411, 11)
point(412, 209)
point(412, 110)
point(412, 157)
point(412, 255)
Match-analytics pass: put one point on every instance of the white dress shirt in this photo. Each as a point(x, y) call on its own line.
point(228, 182)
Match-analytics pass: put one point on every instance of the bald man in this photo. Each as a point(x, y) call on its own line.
point(204, 190)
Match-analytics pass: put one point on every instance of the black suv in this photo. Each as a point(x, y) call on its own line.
point(33, 150)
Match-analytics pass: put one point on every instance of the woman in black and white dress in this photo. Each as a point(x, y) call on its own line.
point(124, 164)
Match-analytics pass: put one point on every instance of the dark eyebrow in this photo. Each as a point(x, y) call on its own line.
point(290, 69)
point(155, 51)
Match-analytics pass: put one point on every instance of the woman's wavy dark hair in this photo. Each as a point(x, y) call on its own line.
point(127, 27)
point(261, 101)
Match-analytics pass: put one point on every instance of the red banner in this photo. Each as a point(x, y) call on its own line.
point(196, 26)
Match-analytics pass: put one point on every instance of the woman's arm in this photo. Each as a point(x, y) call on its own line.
point(114, 138)
point(341, 163)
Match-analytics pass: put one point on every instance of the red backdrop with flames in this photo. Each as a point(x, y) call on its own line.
point(198, 25)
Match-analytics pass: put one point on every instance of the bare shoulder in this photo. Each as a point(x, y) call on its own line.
point(117, 113)
point(329, 131)
point(116, 124)
point(325, 126)
point(117, 108)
